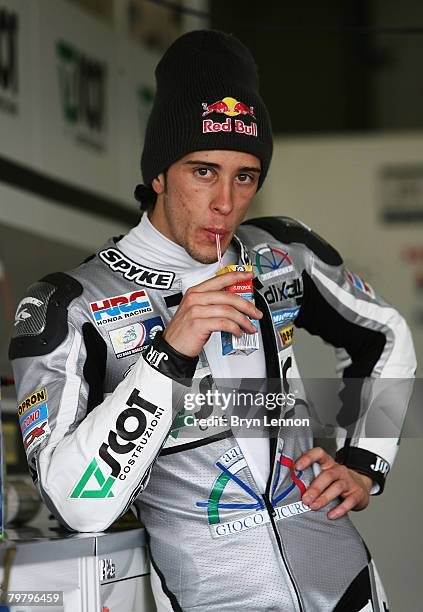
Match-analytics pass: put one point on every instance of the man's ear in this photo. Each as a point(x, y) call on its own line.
point(159, 183)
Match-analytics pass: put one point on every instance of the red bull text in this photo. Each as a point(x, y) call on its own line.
point(230, 107)
point(239, 127)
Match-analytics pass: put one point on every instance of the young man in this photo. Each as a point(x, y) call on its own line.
point(105, 353)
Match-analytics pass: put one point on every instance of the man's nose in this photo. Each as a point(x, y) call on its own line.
point(223, 200)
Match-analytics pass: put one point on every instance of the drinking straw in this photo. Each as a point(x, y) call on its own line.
point(219, 252)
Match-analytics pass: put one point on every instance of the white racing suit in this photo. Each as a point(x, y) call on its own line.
point(100, 392)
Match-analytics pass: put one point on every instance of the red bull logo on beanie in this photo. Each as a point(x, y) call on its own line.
point(228, 106)
point(231, 108)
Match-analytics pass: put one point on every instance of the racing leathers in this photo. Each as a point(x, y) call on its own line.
point(101, 394)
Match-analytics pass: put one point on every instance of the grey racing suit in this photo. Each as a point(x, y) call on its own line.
point(100, 395)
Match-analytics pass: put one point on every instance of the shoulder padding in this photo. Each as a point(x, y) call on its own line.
point(42, 316)
point(289, 230)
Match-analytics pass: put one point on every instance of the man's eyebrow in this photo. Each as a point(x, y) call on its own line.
point(250, 169)
point(199, 162)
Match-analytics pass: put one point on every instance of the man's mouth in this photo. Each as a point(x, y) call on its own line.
point(221, 232)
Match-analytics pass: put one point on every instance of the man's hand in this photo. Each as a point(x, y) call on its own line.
point(206, 308)
point(334, 481)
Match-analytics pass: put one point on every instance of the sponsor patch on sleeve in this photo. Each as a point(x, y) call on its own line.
point(135, 338)
point(32, 400)
point(36, 436)
point(287, 335)
point(120, 307)
point(25, 309)
point(356, 281)
point(281, 317)
point(33, 419)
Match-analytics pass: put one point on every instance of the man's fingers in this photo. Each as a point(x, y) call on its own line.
point(224, 324)
point(210, 298)
point(218, 283)
point(322, 482)
point(204, 314)
point(314, 455)
point(329, 494)
point(202, 311)
point(334, 481)
point(343, 508)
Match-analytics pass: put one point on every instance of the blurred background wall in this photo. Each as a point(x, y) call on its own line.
point(344, 87)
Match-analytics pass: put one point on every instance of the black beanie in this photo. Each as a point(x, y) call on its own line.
point(207, 99)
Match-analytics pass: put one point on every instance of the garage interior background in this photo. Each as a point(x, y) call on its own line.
point(344, 87)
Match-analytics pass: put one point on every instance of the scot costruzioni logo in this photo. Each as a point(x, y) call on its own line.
point(122, 450)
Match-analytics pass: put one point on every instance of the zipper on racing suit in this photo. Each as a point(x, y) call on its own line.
point(272, 514)
point(267, 331)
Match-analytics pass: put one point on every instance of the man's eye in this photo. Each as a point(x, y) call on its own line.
point(203, 172)
point(245, 178)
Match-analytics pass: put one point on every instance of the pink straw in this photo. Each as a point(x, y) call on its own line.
point(219, 252)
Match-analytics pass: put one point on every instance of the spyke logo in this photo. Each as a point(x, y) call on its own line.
point(82, 82)
point(9, 25)
point(125, 453)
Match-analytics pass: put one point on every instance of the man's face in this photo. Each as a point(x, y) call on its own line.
point(205, 193)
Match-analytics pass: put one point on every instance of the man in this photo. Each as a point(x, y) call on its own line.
point(109, 350)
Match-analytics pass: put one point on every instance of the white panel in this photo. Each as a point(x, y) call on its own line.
point(135, 91)
point(128, 596)
point(77, 84)
point(43, 218)
point(17, 76)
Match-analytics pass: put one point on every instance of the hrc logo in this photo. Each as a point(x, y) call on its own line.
point(120, 307)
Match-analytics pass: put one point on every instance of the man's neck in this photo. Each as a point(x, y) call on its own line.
point(147, 245)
